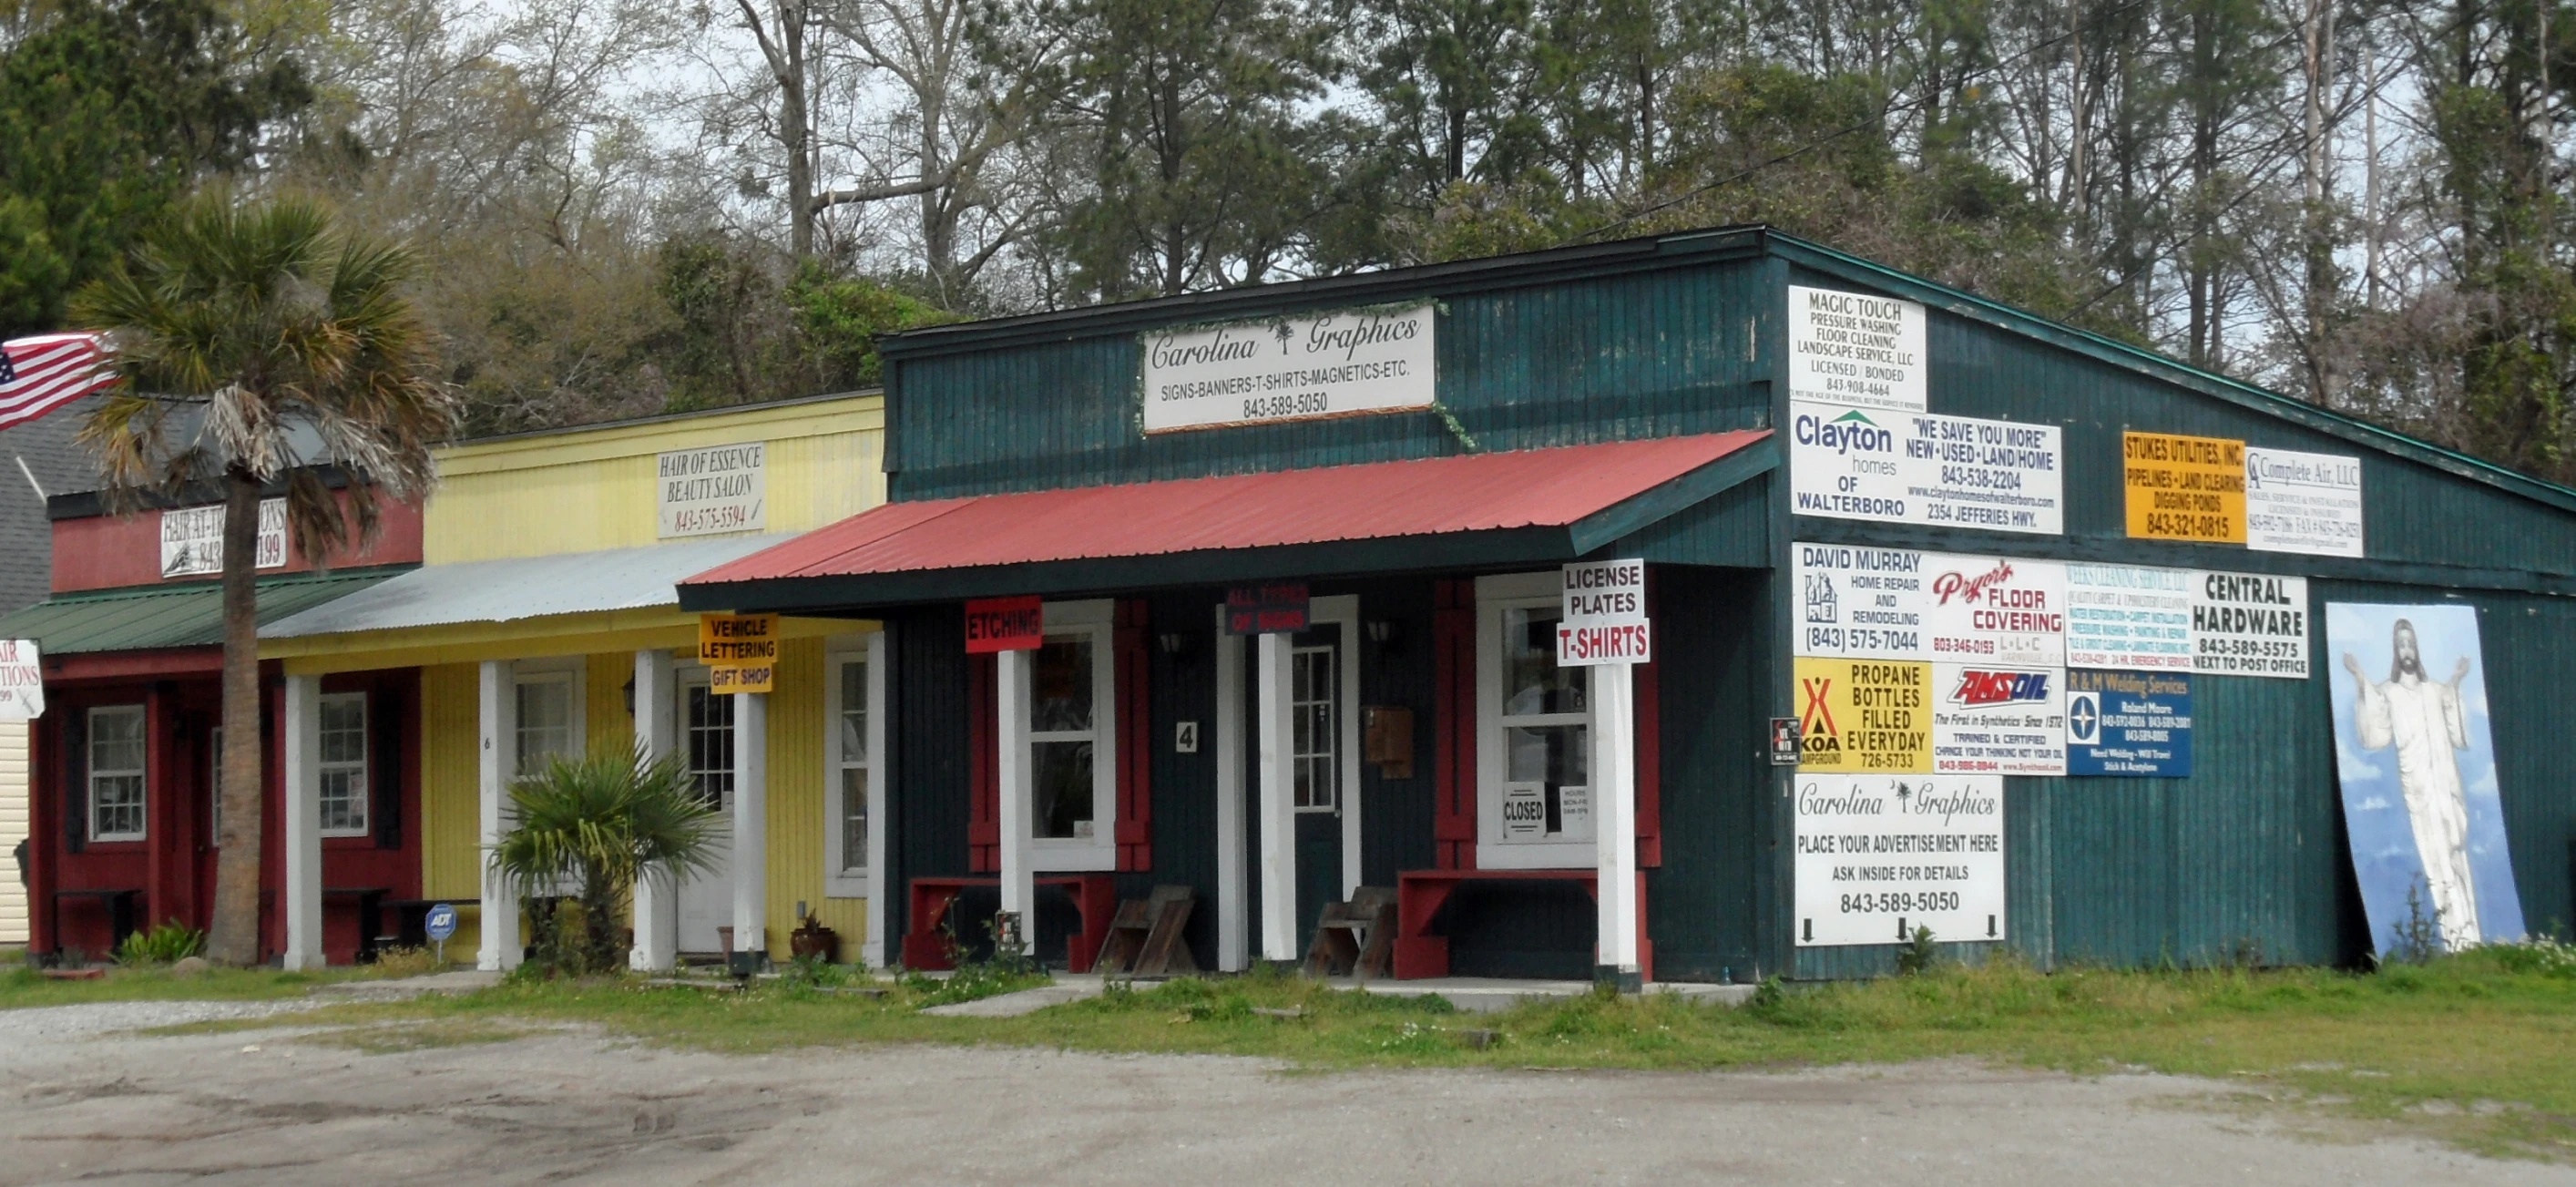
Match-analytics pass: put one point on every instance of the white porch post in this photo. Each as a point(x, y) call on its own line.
point(657, 937)
point(1232, 891)
point(1614, 821)
point(501, 948)
point(751, 823)
point(1278, 813)
point(1011, 691)
point(303, 778)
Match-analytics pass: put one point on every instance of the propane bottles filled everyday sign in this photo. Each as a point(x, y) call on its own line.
point(1881, 855)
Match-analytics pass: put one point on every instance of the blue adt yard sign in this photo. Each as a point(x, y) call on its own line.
point(2128, 723)
point(440, 923)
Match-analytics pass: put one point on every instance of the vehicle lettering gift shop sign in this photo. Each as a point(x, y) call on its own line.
point(1344, 363)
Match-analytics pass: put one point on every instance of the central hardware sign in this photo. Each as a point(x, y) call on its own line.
point(1345, 363)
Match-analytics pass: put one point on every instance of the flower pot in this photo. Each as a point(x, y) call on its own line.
point(814, 940)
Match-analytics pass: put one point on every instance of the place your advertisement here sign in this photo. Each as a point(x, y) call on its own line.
point(22, 680)
point(1943, 471)
point(192, 539)
point(1603, 615)
point(1856, 350)
point(1881, 855)
point(1346, 363)
point(721, 488)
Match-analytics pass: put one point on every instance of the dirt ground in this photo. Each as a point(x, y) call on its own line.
point(90, 1104)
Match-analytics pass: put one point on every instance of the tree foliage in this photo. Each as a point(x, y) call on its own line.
point(587, 830)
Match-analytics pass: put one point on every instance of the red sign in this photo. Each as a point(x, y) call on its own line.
point(1005, 624)
point(1274, 609)
point(1593, 646)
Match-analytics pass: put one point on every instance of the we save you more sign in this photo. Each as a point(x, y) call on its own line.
point(1604, 615)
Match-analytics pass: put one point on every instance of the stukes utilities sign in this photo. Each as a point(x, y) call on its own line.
point(1604, 611)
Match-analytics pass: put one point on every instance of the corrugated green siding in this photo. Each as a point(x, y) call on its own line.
point(1645, 355)
point(160, 616)
point(1703, 904)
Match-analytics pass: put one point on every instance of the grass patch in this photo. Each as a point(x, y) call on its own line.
point(394, 1038)
point(21, 988)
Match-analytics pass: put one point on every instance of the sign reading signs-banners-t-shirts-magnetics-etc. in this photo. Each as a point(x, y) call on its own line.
point(1856, 350)
point(1345, 363)
point(1942, 471)
point(2128, 723)
point(1864, 715)
point(2302, 502)
point(1275, 608)
point(1881, 855)
point(2128, 616)
point(192, 539)
point(1603, 615)
point(721, 488)
point(1005, 624)
point(2249, 624)
point(2190, 489)
point(1990, 720)
point(22, 681)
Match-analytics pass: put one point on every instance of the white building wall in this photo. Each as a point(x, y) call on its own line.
point(13, 827)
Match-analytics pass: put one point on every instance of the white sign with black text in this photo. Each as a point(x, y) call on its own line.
point(721, 488)
point(1943, 471)
point(2302, 502)
point(1344, 363)
point(1989, 720)
point(1856, 350)
point(1881, 855)
point(2128, 617)
point(192, 539)
point(1896, 603)
point(22, 681)
point(2249, 624)
point(1603, 615)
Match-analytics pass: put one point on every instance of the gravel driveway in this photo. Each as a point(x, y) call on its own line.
point(273, 1107)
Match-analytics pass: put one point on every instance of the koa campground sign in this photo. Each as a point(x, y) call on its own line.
point(1346, 363)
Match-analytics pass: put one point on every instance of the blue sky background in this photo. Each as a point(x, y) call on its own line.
point(2383, 840)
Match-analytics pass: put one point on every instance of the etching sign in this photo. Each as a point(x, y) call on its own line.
point(192, 539)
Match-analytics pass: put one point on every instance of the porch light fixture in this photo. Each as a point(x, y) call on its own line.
point(1173, 643)
point(1381, 631)
point(629, 690)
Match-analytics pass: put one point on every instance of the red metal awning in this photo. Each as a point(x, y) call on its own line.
point(1436, 497)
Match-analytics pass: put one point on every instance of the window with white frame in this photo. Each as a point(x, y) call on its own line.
point(548, 728)
point(706, 739)
point(853, 788)
point(1312, 709)
point(116, 750)
point(1534, 731)
point(1073, 758)
point(343, 742)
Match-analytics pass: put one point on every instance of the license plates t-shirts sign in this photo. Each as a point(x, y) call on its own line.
point(1914, 467)
point(1896, 603)
point(1603, 615)
point(1880, 855)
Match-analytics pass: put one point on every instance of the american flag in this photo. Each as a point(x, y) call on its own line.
point(40, 374)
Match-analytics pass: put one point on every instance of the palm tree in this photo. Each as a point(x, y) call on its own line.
point(596, 826)
point(254, 342)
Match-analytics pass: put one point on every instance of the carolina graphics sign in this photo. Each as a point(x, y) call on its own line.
point(22, 681)
point(2184, 488)
point(1881, 855)
point(1856, 350)
point(996, 625)
point(192, 539)
point(1946, 471)
point(1864, 715)
point(1998, 721)
point(1344, 363)
point(1895, 603)
point(1603, 615)
point(722, 488)
point(2128, 616)
point(2249, 624)
point(2302, 502)
point(2128, 723)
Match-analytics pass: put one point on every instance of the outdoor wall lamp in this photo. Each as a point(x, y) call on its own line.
point(1174, 643)
point(629, 690)
point(1381, 631)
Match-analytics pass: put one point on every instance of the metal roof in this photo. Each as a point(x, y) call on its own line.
point(1556, 488)
point(521, 588)
point(152, 618)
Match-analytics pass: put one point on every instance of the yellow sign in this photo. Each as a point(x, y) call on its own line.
point(728, 681)
point(1862, 716)
point(2184, 488)
point(737, 640)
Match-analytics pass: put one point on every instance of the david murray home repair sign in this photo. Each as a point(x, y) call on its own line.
point(1343, 363)
point(722, 488)
point(1880, 855)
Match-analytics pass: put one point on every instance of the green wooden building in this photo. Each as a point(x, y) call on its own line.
point(1894, 536)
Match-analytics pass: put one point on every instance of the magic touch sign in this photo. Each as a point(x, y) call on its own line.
point(1346, 363)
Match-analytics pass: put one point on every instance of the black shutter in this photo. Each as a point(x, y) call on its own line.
point(385, 766)
point(75, 780)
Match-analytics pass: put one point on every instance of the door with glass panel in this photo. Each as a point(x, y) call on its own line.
point(1316, 746)
point(703, 732)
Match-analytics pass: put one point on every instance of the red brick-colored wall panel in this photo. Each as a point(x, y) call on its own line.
point(112, 551)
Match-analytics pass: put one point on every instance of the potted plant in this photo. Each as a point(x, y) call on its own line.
point(812, 939)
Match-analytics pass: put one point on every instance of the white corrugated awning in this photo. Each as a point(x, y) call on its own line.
point(521, 588)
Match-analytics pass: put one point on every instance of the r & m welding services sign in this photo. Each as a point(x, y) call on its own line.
point(2190, 489)
point(2128, 723)
point(1863, 716)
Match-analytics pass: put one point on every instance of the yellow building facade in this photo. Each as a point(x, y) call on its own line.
point(543, 623)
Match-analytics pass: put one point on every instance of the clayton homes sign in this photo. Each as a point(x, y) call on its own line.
point(1346, 363)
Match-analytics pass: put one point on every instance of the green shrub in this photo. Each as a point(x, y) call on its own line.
point(169, 942)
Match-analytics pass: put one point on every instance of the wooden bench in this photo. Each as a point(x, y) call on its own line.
point(1420, 894)
point(1145, 939)
point(1338, 948)
point(120, 912)
point(370, 901)
point(1095, 898)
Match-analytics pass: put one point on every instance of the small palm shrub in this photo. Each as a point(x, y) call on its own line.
point(588, 829)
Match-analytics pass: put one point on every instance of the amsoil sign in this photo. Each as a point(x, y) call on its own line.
point(723, 488)
point(1345, 363)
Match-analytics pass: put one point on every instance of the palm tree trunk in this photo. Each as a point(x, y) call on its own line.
point(234, 938)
